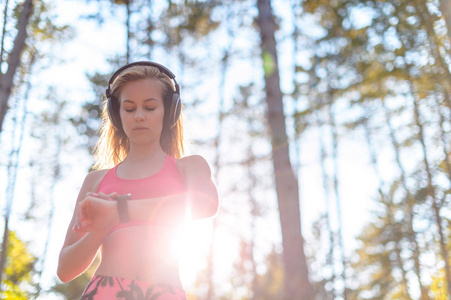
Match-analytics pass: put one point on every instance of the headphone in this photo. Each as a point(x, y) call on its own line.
point(175, 106)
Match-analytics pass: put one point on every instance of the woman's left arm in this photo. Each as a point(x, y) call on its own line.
point(199, 201)
point(202, 195)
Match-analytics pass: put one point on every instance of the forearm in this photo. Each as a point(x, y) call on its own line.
point(173, 208)
point(76, 258)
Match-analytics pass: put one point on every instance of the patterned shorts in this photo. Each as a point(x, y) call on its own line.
point(115, 288)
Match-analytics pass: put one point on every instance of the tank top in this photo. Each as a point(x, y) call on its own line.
point(167, 181)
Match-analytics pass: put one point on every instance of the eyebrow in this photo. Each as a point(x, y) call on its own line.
point(131, 101)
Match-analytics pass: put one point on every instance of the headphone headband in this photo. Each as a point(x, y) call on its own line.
point(160, 67)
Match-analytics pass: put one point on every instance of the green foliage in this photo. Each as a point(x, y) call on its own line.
point(383, 55)
point(18, 269)
point(438, 286)
point(75, 288)
point(194, 19)
point(43, 27)
point(379, 256)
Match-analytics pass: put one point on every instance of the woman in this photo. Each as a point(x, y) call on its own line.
point(130, 211)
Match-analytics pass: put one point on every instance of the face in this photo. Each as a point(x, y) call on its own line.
point(142, 111)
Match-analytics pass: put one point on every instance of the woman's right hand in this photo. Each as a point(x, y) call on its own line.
point(96, 213)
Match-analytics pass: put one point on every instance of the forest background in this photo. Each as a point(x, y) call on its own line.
point(329, 116)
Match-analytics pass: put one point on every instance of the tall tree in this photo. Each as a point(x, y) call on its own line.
point(18, 130)
point(14, 57)
point(34, 27)
point(297, 284)
point(334, 136)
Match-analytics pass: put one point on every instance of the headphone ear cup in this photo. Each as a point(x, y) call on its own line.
point(174, 112)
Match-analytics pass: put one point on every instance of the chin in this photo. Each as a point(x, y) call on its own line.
point(144, 140)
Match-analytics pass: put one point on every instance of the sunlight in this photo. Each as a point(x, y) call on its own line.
point(191, 246)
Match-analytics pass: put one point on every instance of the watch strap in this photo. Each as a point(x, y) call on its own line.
point(122, 207)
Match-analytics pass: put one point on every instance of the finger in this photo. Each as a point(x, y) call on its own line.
point(76, 224)
point(104, 196)
point(113, 195)
point(88, 194)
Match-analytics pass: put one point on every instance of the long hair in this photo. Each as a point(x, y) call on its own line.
point(113, 145)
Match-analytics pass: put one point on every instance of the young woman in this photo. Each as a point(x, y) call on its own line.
point(130, 211)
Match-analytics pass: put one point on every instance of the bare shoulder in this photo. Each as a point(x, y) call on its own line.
point(93, 179)
point(193, 165)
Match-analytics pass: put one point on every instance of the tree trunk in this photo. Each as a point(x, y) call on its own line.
point(408, 205)
point(13, 164)
point(127, 25)
point(6, 82)
point(436, 206)
point(443, 135)
point(334, 136)
point(425, 18)
point(296, 278)
point(330, 259)
point(56, 174)
point(445, 8)
point(387, 200)
point(217, 167)
point(253, 183)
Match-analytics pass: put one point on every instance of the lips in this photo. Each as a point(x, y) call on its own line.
point(140, 128)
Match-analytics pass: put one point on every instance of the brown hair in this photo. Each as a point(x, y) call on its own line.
point(113, 145)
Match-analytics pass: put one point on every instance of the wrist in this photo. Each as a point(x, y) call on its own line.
point(122, 208)
point(114, 215)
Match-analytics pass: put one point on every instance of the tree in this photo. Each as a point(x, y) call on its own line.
point(33, 26)
point(14, 57)
point(75, 288)
point(296, 278)
point(378, 59)
point(19, 269)
point(380, 255)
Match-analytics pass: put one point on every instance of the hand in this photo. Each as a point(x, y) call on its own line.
point(104, 196)
point(96, 214)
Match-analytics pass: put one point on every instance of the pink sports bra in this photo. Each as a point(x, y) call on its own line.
point(167, 181)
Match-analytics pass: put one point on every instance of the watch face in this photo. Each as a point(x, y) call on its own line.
point(122, 207)
point(123, 197)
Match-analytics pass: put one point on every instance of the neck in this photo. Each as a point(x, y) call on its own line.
point(139, 153)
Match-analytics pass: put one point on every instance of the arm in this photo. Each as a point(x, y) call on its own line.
point(200, 199)
point(202, 195)
point(79, 249)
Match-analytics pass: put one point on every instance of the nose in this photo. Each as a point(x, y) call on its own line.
point(139, 115)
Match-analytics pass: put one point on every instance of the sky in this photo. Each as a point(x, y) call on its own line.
point(87, 53)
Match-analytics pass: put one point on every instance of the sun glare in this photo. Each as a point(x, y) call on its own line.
point(191, 246)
